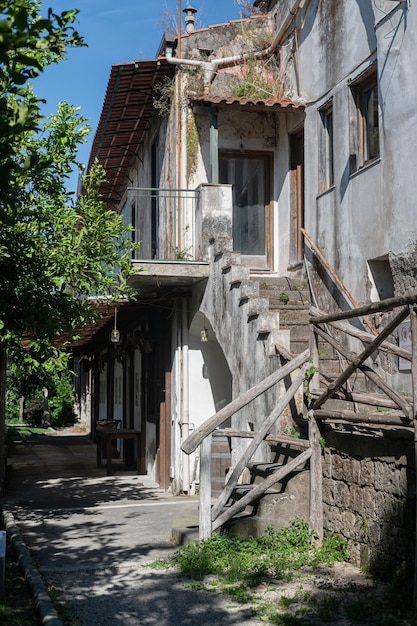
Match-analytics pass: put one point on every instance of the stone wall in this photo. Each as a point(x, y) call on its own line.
point(369, 495)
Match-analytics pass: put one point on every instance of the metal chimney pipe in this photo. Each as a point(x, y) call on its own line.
point(189, 18)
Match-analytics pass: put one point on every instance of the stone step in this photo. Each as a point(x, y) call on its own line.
point(249, 289)
point(236, 274)
point(230, 258)
point(220, 246)
point(287, 298)
point(268, 322)
point(292, 317)
point(257, 306)
point(277, 338)
point(260, 471)
point(282, 283)
point(275, 509)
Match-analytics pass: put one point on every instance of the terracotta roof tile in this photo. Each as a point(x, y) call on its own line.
point(260, 103)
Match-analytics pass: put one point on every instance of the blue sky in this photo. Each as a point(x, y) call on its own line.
point(116, 31)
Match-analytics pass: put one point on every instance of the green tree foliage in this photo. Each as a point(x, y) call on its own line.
point(55, 252)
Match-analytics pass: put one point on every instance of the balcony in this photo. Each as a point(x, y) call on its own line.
point(174, 228)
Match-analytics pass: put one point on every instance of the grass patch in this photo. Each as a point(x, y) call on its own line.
point(257, 570)
point(273, 555)
point(24, 430)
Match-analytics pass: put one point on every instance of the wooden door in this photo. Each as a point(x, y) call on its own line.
point(297, 196)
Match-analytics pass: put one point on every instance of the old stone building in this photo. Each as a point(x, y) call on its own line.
point(243, 155)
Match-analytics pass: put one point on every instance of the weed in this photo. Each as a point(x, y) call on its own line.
point(284, 297)
point(196, 586)
point(253, 559)
point(291, 431)
point(166, 90)
point(310, 371)
point(193, 143)
point(286, 601)
point(253, 83)
point(159, 564)
point(182, 255)
point(239, 592)
point(363, 522)
point(284, 619)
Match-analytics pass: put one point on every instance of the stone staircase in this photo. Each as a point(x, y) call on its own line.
point(280, 504)
point(269, 315)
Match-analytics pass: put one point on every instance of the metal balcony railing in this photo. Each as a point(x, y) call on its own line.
point(163, 222)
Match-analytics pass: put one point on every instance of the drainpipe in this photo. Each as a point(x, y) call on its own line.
point(185, 413)
point(210, 67)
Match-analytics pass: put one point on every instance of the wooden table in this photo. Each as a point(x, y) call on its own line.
point(107, 436)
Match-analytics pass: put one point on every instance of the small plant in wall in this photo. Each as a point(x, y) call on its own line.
point(166, 91)
point(284, 298)
point(192, 143)
point(182, 255)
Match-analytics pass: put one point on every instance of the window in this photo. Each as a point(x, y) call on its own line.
point(326, 151)
point(366, 146)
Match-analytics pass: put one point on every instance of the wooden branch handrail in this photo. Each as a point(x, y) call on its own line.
point(369, 372)
point(363, 418)
point(249, 434)
point(373, 307)
point(361, 358)
point(400, 401)
point(264, 428)
point(336, 278)
point(260, 489)
point(194, 440)
point(372, 399)
point(347, 328)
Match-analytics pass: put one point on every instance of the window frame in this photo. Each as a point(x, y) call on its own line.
point(366, 146)
point(326, 162)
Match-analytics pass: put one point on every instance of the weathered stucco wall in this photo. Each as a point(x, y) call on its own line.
point(368, 214)
point(369, 495)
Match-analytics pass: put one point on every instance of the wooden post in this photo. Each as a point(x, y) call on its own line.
point(205, 489)
point(316, 472)
point(336, 279)
point(316, 478)
point(413, 325)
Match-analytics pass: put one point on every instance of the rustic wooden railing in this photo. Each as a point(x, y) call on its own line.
point(404, 409)
point(214, 515)
point(323, 389)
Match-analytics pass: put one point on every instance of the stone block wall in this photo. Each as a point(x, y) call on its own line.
point(369, 495)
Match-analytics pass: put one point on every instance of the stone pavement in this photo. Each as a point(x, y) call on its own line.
point(90, 536)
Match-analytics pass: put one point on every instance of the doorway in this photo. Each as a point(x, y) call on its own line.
point(296, 197)
point(250, 177)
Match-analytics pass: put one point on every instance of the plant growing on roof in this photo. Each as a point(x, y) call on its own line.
point(254, 81)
